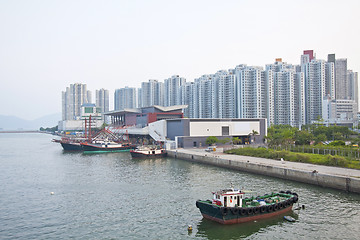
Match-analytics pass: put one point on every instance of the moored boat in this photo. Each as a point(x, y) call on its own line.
point(229, 206)
point(71, 144)
point(148, 153)
point(107, 146)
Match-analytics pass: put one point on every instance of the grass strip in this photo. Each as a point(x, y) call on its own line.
point(327, 160)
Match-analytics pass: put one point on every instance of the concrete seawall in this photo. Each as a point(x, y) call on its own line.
point(324, 176)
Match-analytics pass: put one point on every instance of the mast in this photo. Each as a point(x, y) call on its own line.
point(89, 136)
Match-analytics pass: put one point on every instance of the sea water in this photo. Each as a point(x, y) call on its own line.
point(46, 193)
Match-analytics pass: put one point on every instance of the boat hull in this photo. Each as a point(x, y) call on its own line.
point(94, 148)
point(229, 215)
point(71, 146)
point(142, 155)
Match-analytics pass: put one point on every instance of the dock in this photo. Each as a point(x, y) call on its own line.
point(325, 176)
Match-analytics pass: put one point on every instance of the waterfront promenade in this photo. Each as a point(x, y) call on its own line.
point(325, 176)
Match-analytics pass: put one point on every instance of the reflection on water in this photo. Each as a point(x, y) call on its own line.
point(212, 230)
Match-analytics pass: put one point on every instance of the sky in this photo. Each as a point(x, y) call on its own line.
point(47, 45)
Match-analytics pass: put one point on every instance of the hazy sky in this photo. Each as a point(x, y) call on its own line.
point(45, 45)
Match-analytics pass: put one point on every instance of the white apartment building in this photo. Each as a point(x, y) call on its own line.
point(172, 95)
point(353, 81)
point(285, 94)
point(315, 90)
point(339, 111)
point(187, 98)
point(125, 98)
point(102, 100)
point(152, 93)
point(72, 99)
point(226, 102)
point(203, 96)
point(251, 92)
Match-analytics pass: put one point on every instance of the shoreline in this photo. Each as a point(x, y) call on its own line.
point(332, 177)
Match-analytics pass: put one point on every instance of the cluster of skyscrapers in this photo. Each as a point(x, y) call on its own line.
point(283, 93)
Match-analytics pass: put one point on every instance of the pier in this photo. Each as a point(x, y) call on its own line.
point(333, 177)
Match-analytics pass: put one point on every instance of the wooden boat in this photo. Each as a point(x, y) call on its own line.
point(107, 146)
point(71, 144)
point(148, 153)
point(229, 206)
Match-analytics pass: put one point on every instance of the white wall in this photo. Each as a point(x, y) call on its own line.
point(214, 128)
point(157, 130)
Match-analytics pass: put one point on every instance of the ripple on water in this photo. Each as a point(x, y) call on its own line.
point(111, 196)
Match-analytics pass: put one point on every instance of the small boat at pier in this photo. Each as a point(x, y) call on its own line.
point(229, 206)
point(148, 153)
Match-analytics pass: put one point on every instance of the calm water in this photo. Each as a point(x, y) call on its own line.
point(111, 196)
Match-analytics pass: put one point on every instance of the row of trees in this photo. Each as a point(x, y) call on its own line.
point(284, 135)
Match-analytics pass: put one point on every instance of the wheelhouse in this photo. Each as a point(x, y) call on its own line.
point(228, 198)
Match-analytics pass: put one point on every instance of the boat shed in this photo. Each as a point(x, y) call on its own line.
point(141, 117)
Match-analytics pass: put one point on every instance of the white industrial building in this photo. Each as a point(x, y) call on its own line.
point(194, 132)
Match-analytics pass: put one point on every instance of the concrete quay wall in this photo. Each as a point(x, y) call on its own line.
point(335, 181)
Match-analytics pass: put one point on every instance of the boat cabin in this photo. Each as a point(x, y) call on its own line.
point(228, 198)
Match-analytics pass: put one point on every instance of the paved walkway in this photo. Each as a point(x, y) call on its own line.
point(336, 171)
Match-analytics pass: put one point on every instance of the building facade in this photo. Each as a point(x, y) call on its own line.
point(125, 98)
point(102, 100)
point(72, 99)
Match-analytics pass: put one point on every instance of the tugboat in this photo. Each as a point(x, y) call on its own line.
point(148, 153)
point(229, 206)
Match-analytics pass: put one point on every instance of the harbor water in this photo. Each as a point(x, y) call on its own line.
point(46, 193)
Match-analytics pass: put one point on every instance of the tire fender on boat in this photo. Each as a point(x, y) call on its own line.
point(224, 211)
point(281, 205)
point(242, 211)
point(256, 210)
point(235, 210)
point(270, 208)
point(288, 192)
point(250, 211)
point(262, 209)
point(295, 199)
point(276, 207)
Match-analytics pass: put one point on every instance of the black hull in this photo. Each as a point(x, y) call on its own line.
point(232, 215)
point(142, 155)
point(71, 146)
point(91, 148)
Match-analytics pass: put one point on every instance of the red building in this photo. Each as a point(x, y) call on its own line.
point(141, 117)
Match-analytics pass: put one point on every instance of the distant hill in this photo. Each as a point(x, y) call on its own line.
point(15, 123)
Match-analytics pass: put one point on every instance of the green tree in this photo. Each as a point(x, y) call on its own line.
point(320, 138)
point(236, 140)
point(211, 140)
point(303, 137)
point(253, 133)
point(224, 141)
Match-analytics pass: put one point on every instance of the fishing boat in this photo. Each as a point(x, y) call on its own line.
point(71, 144)
point(107, 146)
point(148, 153)
point(230, 206)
